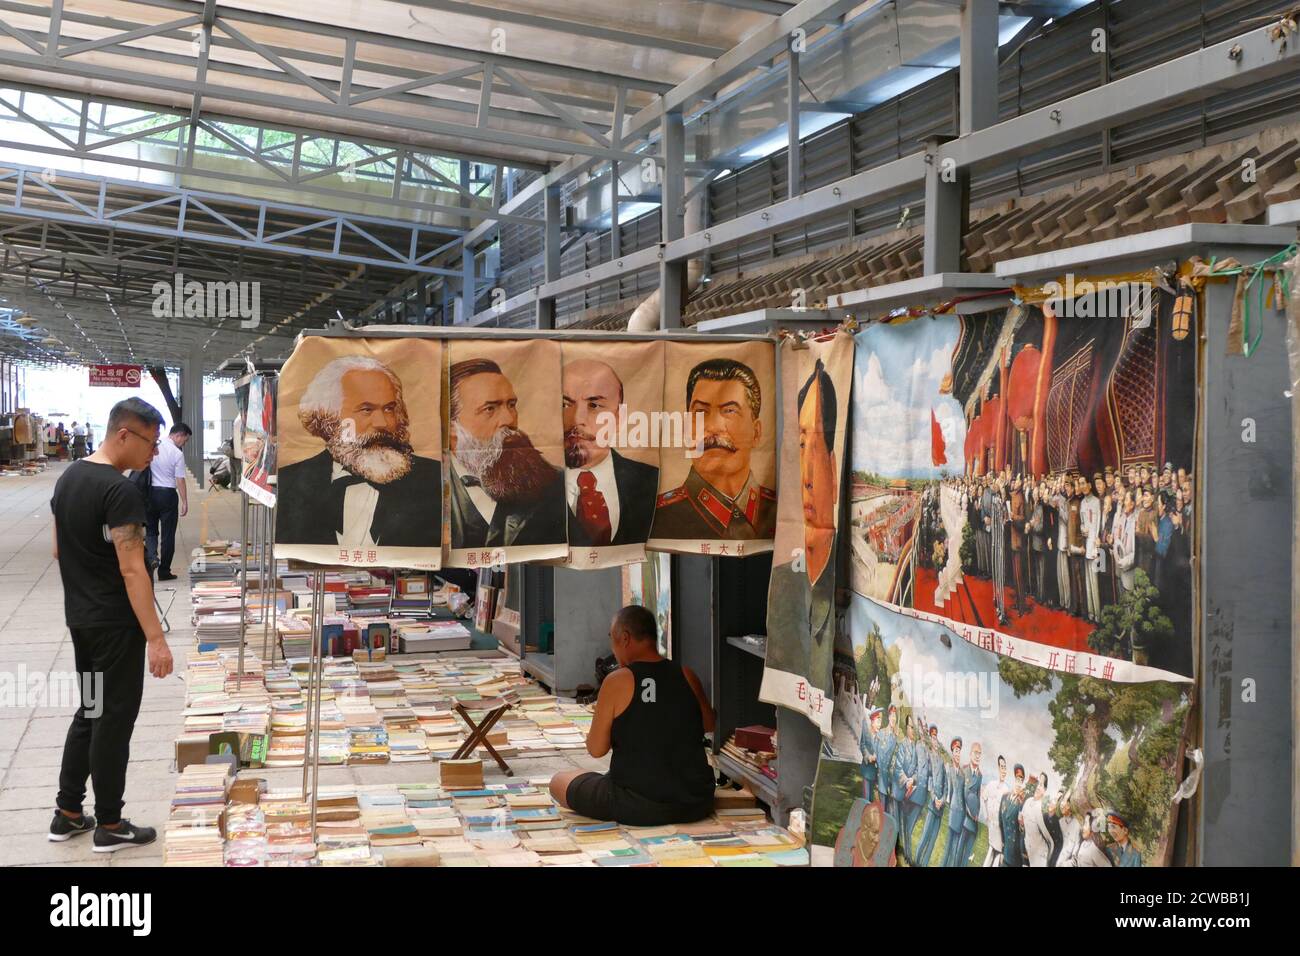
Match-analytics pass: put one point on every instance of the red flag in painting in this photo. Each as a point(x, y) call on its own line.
point(938, 451)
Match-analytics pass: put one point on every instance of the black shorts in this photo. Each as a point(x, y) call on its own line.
point(595, 795)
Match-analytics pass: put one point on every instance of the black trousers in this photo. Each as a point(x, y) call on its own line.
point(164, 512)
point(110, 667)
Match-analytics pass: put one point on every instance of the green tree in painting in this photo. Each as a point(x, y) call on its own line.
point(967, 553)
point(873, 664)
point(1133, 627)
point(1089, 716)
point(1145, 784)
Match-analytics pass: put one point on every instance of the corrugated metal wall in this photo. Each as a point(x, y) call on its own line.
point(1057, 63)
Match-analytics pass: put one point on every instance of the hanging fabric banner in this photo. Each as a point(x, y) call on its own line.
point(816, 379)
point(255, 399)
point(948, 754)
point(1027, 477)
point(612, 401)
point(360, 449)
point(505, 453)
point(717, 475)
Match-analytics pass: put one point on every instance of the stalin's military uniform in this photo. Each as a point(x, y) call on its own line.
point(696, 510)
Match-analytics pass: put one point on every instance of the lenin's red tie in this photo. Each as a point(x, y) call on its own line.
point(592, 510)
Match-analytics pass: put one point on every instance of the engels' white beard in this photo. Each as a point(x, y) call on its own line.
point(474, 455)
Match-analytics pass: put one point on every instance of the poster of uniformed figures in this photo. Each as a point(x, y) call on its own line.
point(612, 394)
point(360, 479)
point(973, 758)
point(505, 452)
point(816, 379)
point(717, 473)
point(1028, 474)
point(255, 398)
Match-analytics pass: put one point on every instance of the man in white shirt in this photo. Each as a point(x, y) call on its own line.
point(78, 441)
point(1090, 524)
point(990, 806)
point(1038, 839)
point(168, 501)
point(1071, 832)
point(1125, 544)
point(611, 498)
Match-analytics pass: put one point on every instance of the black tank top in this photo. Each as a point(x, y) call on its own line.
point(658, 740)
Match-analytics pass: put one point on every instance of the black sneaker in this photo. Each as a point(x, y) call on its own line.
point(166, 577)
point(123, 838)
point(65, 828)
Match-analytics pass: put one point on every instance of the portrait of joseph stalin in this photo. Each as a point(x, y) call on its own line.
point(804, 617)
point(367, 488)
point(721, 499)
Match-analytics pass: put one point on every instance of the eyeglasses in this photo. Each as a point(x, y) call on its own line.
point(143, 438)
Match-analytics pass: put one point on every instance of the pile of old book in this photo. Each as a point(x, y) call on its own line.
point(754, 747)
point(460, 821)
point(193, 832)
point(373, 710)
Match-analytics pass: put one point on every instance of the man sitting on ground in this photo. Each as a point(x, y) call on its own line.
point(653, 713)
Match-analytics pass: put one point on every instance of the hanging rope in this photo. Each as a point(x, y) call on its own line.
point(1254, 275)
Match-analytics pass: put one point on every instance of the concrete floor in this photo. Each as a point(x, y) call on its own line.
point(33, 638)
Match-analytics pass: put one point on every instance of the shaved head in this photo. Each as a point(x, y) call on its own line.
point(637, 621)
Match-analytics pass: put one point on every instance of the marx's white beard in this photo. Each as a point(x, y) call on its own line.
point(373, 457)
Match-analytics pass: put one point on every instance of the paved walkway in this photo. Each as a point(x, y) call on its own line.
point(33, 639)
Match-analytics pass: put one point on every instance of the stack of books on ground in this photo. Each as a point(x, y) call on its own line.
point(218, 562)
point(754, 748)
point(368, 600)
point(425, 637)
point(219, 628)
point(192, 835)
point(429, 823)
point(374, 711)
point(295, 636)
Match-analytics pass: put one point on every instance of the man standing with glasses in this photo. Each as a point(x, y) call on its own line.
point(108, 606)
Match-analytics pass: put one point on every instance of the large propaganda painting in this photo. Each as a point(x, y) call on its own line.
point(948, 754)
point(717, 474)
point(505, 452)
point(360, 453)
point(816, 379)
point(1028, 475)
point(612, 396)
point(255, 398)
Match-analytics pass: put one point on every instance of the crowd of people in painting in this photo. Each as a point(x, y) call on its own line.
point(1072, 543)
point(912, 773)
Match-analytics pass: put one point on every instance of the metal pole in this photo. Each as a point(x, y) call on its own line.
point(315, 731)
point(551, 238)
point(275, 608)
point(313, 652)
point(255, 532)
point(672, 275)
point(243, 584)
point(267, 582)
point(794, 152)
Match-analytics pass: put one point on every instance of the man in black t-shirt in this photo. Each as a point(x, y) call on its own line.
point(99, 519)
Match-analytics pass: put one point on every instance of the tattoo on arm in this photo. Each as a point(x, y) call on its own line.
point(128, 537)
